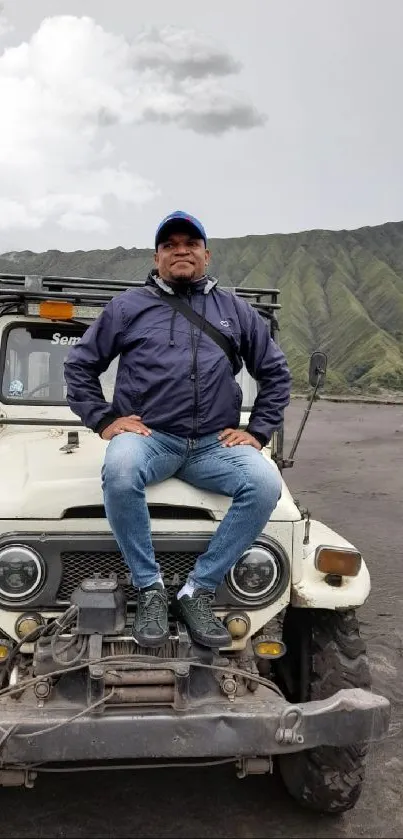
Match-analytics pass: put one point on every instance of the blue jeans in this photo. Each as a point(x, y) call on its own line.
point(133, 461)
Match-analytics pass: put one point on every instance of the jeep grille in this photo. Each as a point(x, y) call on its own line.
point(175, 567)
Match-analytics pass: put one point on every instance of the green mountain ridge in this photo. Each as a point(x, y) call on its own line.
point(341, 292)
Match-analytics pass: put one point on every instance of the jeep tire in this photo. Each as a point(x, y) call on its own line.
point(325, 654)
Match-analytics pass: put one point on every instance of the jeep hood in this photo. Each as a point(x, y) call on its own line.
point(40, 480)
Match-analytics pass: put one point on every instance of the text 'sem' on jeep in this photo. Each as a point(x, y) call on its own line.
point(293, 690)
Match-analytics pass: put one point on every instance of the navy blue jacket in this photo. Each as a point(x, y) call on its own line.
point(170, 373)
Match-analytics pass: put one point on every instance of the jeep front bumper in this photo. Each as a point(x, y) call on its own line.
point(255, 725)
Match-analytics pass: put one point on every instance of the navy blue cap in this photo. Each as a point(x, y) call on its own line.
point(184, 219)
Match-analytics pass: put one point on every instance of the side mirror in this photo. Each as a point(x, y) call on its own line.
point(317, 373)
point(317, 368)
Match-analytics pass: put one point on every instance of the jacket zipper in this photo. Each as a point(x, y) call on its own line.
point(193, 373)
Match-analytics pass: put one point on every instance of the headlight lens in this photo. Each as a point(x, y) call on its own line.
point(22, 572)
point(257, 574)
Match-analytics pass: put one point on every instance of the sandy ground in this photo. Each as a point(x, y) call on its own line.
point(349, 472)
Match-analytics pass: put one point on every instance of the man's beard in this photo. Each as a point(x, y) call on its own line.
point(184, 278)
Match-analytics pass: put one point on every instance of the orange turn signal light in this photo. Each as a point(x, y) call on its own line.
point(56, 309)
point(338, 561)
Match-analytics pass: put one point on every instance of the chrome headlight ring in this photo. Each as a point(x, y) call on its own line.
point(261, 575)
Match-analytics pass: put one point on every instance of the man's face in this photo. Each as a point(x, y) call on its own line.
point(182, 258)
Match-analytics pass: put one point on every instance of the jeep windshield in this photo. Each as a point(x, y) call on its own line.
point(32, 365)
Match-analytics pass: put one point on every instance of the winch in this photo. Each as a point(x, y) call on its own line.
point(98, 609)
point(101, 606)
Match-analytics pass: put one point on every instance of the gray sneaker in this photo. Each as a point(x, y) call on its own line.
point(150, 627)
point(197, 613)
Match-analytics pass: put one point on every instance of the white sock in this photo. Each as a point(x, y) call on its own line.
point(160, 582)
point(188, 589)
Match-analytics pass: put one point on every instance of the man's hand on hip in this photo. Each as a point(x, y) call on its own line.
point(236, 437)
point(132, 423)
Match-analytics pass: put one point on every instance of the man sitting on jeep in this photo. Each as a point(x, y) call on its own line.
point(181, 341)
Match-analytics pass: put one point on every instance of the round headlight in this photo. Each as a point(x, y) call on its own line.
point(21, 572)
point(260, 574)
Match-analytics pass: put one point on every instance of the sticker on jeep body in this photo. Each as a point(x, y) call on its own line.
point(65, 340)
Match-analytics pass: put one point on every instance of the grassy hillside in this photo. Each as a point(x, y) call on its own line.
point(341, 292)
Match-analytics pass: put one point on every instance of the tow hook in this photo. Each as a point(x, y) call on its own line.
point(286, 735)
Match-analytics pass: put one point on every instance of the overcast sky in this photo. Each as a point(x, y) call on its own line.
point(259, 117)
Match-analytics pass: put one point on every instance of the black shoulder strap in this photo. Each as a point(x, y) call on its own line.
point(223, 342)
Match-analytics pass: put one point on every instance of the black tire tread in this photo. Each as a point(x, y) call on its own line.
point(329, 779)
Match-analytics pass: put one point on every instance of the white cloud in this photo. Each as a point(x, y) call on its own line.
point(62, 89)
point(79, 221)
point(181, 53)
point(16, 214)
point(182, 83)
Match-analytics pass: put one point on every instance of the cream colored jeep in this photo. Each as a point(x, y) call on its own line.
point(293, 691)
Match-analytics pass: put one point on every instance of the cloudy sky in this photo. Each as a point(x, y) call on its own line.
point(259, 117)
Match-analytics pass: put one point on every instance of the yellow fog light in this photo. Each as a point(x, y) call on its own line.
point(26, 624)
point(238, 625)
point(339, 561)
point(4, 652)
point(265, 648)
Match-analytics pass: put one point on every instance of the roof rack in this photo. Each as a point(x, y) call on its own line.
point(92, 291)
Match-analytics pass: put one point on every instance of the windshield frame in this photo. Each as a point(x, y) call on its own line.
point(21, 324)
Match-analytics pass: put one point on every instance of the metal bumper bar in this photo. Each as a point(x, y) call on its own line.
point(257, 724)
